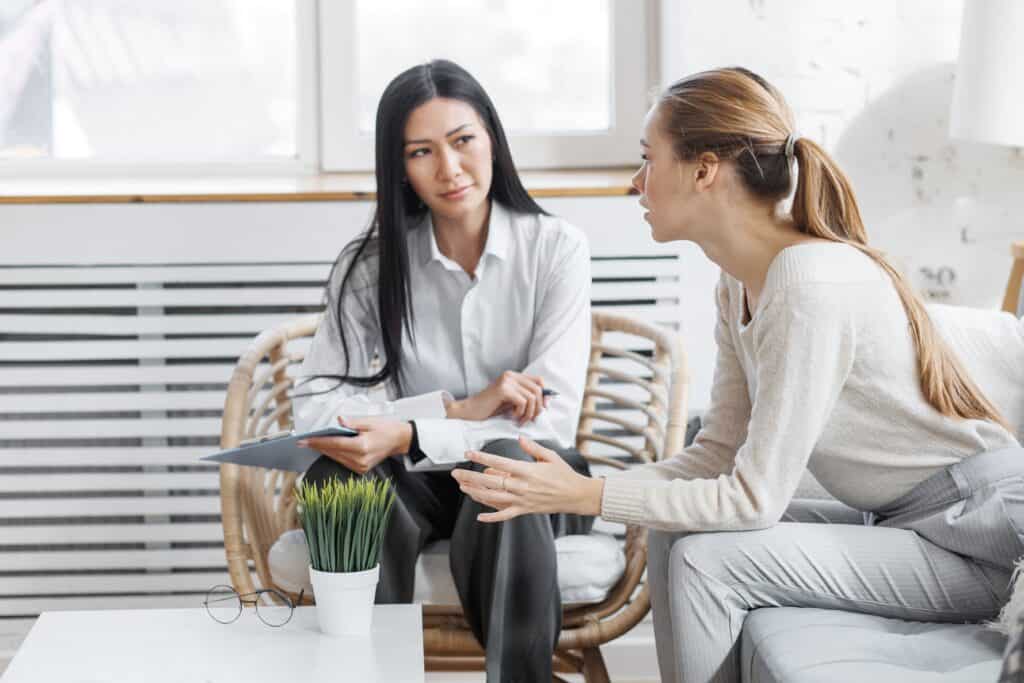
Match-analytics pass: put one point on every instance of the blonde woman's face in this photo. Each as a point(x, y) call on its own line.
point(667, 198)
point(657, 180)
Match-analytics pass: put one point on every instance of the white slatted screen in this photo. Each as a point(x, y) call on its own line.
point(112, 379)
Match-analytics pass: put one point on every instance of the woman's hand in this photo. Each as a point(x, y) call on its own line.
point(521, 395)
point(379, 438)
point(516, 488)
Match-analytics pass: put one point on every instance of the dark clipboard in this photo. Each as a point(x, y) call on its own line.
point(279, 451)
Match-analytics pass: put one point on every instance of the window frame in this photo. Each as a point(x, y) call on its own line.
point(343, 147)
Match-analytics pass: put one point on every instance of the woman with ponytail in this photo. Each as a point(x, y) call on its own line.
point(827, 361)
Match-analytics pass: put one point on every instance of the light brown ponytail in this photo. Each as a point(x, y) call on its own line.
point(824, 206)
point(739, 116)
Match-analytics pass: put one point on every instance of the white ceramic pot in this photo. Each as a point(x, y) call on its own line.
point(344, 600)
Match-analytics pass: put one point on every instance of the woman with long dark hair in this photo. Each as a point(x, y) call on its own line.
point(470, 306)
point(827, 361)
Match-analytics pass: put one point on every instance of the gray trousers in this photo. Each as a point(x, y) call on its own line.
point(942, 552)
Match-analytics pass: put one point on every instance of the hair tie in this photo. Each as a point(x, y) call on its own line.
point(790, 144)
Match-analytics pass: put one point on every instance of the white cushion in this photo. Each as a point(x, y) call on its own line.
point(991, 346)
point(588, 567)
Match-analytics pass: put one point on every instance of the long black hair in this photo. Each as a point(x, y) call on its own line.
point(399, 209)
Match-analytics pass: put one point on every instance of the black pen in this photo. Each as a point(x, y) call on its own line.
point(548, 392)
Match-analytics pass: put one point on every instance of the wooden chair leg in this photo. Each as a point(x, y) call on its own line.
point(594, 670)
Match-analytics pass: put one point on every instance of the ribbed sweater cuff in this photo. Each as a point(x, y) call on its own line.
point(623, 500)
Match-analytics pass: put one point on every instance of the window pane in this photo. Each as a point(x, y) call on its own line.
point(154, 81)
point(546, 64)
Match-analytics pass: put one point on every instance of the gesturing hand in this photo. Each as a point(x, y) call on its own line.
point(379, 438)
point(514, 488)
point(513, 392)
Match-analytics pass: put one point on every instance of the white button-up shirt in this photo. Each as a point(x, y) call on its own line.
point(526, 308)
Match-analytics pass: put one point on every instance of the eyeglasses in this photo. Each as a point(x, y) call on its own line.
point(224, 605)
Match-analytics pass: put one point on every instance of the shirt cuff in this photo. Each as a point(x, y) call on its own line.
point(442, 441)
point(624, 500)
point(422, 406)
point(414, 453)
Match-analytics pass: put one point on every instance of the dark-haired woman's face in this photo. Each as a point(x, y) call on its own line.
point(448, 158)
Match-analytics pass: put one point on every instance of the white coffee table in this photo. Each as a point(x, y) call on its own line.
point(187, 646)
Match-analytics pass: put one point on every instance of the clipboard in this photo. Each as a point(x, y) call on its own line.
point(278, 451)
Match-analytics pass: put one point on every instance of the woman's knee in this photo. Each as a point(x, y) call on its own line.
point(697, 557)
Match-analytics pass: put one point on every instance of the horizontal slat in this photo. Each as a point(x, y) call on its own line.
point(630, 342)
point(598, 448)
point(53, 534)
point(119, 298)
point(635, 268)
point(110, 325)
point(628, 391)
point(110, 506)
point(260, 296)
point(91, 275)
point(12, 635)
point(71, 584)
point(107, 481)
point(99, 457)
point(621, 365)
point(116, 375)
point(112, 402)
point(22, 606)
point(214, 324)
point(622, 291)
point(112, 428)
point(269, 272)
point(57, 560)
point(130, 350)
point(660, 313)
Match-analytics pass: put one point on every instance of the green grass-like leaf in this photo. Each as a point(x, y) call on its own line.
point(345, 522)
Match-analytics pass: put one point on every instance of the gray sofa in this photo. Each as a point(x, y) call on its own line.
point(797, 645)
point(803, 645)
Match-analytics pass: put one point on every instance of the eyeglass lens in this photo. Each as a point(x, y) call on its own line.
point(275, 609)
point(223, 604)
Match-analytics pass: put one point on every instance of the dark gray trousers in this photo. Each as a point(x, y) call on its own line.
point(505, 573)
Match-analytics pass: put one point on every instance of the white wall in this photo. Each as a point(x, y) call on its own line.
point(872, 81)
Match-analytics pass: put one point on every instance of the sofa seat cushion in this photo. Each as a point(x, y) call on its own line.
point(588, 567)
point(802, 645)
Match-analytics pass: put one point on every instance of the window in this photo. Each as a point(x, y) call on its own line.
point(568, 77)
point(187, 86)
point(188, 81)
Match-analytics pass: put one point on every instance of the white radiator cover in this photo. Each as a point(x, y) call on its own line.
point(119, 327)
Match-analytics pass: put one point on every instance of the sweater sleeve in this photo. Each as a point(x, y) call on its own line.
point(724, 426)
point(803, 346)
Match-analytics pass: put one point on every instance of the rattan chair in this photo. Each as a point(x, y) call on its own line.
point(257, 505)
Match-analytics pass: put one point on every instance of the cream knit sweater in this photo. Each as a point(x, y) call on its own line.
point(824, 376)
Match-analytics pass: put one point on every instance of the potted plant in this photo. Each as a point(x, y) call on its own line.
point(344, 523)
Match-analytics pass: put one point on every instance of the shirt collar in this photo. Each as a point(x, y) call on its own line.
point(498, 235)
